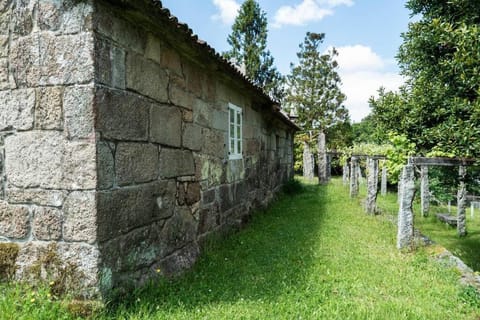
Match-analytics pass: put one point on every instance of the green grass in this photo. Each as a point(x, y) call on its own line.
point(313, 255)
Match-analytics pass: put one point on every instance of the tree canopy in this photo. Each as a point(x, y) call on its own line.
point(439, 106)
point(314, 86)
point(248, 41)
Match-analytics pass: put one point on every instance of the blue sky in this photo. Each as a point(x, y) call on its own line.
point(365, 32)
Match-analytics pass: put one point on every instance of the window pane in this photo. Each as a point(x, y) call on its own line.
point(239, 146)
point(232, 145)
point(238, 132)
point(239, 118)
point(232, 131)
point(232, 116)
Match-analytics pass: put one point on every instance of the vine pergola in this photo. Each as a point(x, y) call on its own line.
point(405, 235)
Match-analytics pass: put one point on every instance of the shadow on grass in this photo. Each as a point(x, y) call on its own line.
point(270, 256)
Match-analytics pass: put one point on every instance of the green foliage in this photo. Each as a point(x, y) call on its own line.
point(439, 106)
point(398, 155)
point(248, 42)
point(314, 86)
point(470, 296)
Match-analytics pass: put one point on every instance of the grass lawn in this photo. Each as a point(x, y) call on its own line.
point(314, 255)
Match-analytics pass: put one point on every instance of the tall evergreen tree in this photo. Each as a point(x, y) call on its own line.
point(314, 86)
point(315, 94)
point(248, 42)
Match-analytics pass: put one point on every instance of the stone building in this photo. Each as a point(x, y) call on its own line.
point(124, 142)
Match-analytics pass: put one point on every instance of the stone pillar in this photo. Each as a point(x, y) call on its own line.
point(372, 185)
point(405, 212)
point(346, 173)
point(399, 187)
point(322, 159)
point(462, 202)
point(354, 177)
point(383, 188)
point(424, 191)
point(359, 174)
point(308, 162)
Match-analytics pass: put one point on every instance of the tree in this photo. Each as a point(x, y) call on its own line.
point(314, 93)
point(440, 58)
point(314, 86)
point(248, 42)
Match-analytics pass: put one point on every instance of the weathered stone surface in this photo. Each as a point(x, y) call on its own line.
point(48, 108)
point(105, 164)
point(180, 260)
point(110, 64)
point(122, 115)
point(354, 177)
point(372, 186)
point(308, 162)
point(322, 159)
point(40, 197)
point(46, 59)
point(214, 143)
point(122, 210)
point(345, 173)
point(178, 95)
point(192, 137)
point(146, 77)
point(4, 75)
point(462, 203)
point(226, 197)
point(178, 231)
point(137, 249)
point(175, 163)
point(3, 46)
point(188, 193)
point(208, 196)
point(405, 213)
point(80, 217)
point(47, 223)
point(235, 171)
point(135, 163)
point(209, 219)
point(153, 48)
point(82, 257)
point(45, 159)
point(17, 109)
point(166, 125)
point(202, 113)
point(14, 221)
point(78, 111)
point(171, 60)
point(64, 16)
point(383, 184)
point(424, 191)
point(128, 35)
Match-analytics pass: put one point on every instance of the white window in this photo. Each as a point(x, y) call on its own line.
point(234, 132)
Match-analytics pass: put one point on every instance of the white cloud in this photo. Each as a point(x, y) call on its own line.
point(359, 57)
point(306, 11)
point(363, 72)
point(228, 10)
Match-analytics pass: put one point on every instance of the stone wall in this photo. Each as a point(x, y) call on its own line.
point(47, 138)
point(113, 143)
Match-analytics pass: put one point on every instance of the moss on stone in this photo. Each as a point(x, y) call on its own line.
point(8, 258)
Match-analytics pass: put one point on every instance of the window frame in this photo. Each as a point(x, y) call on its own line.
point(236, 152)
